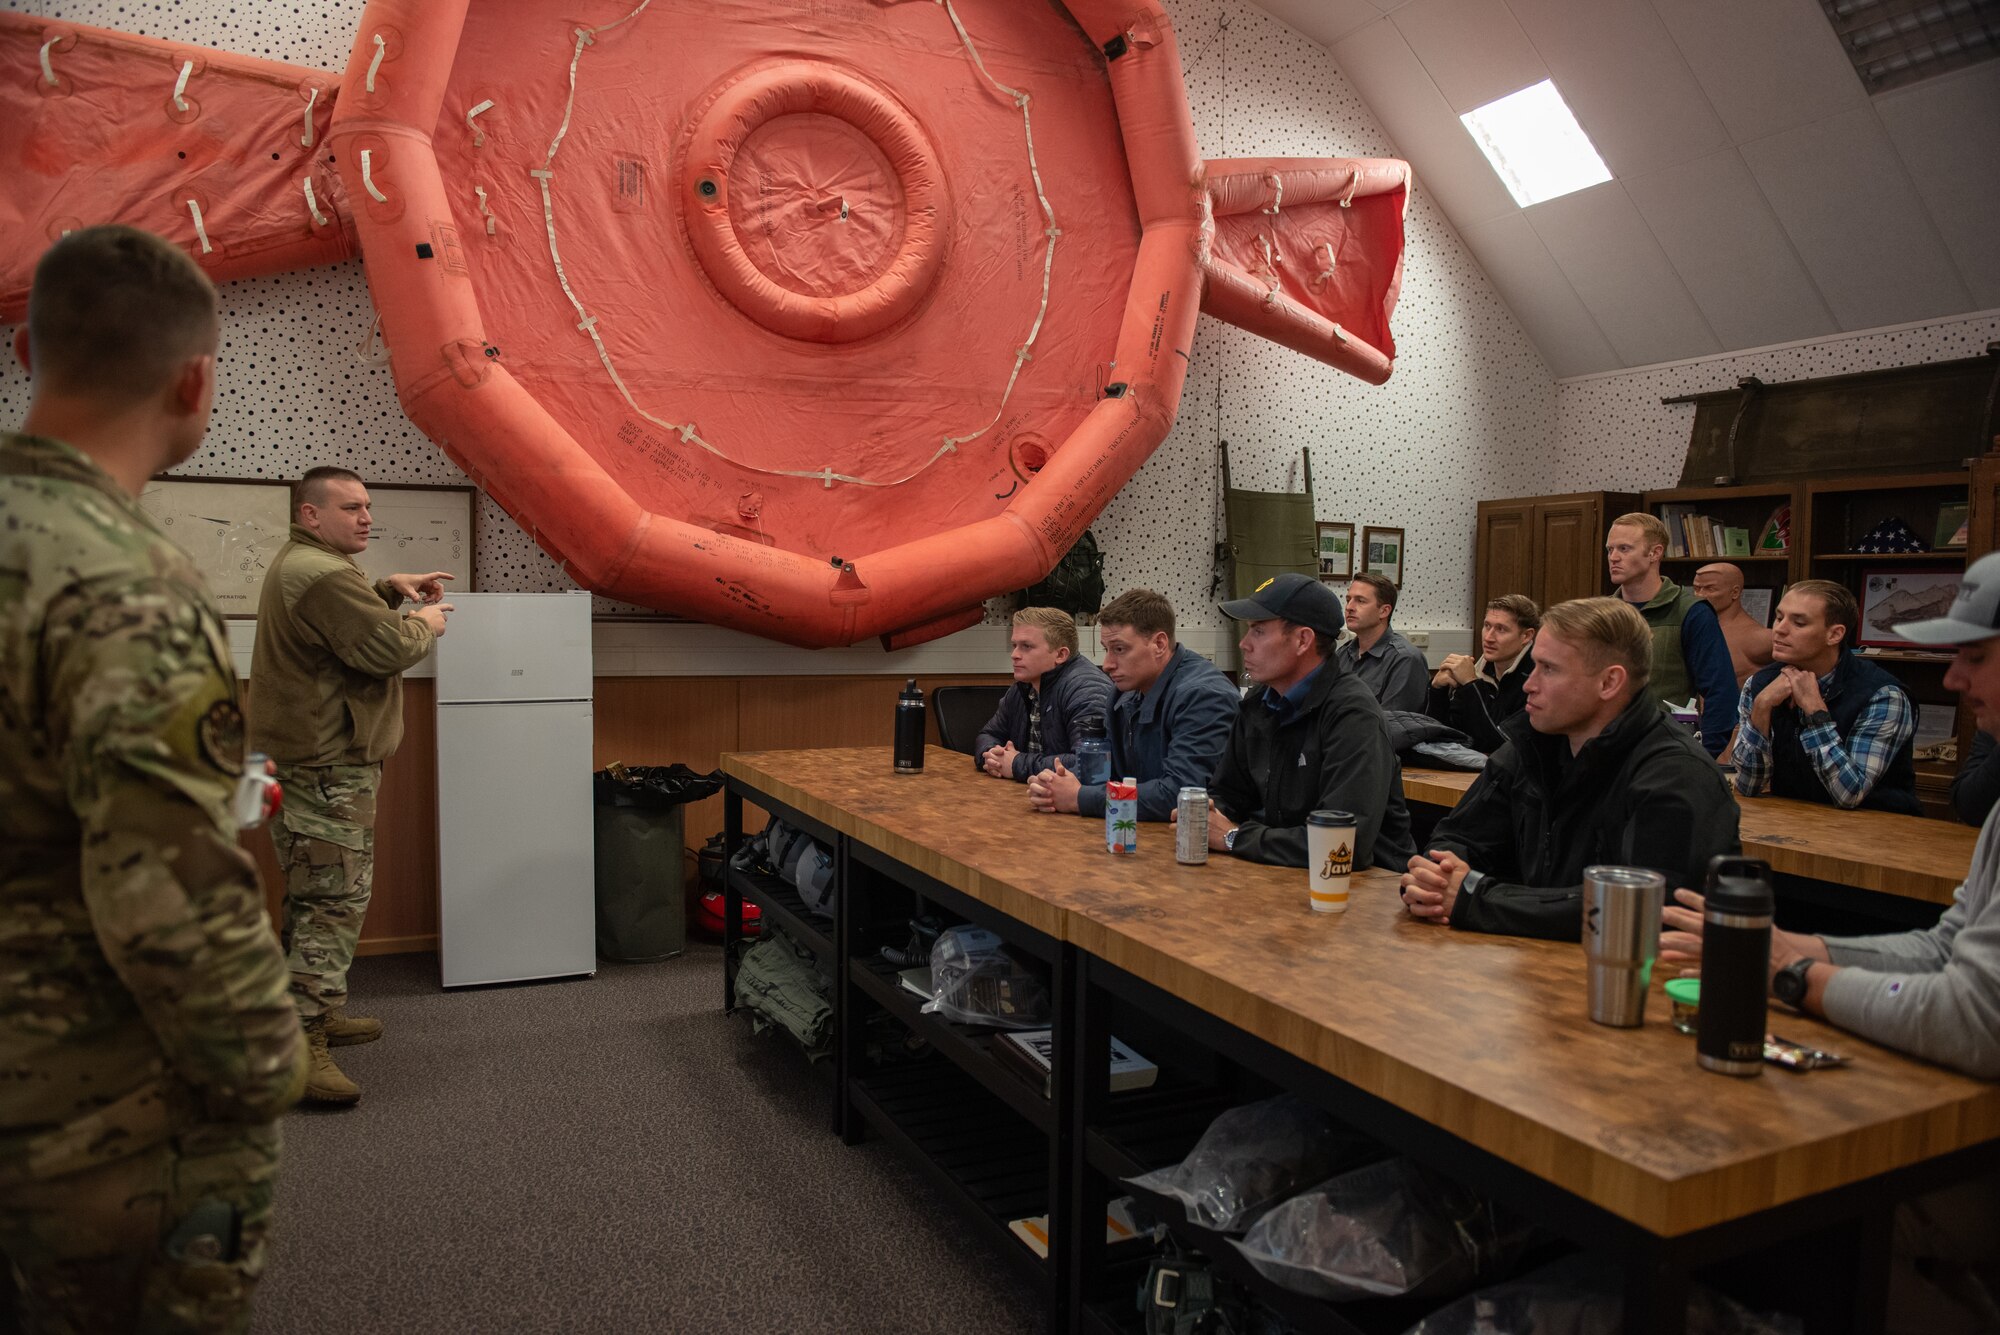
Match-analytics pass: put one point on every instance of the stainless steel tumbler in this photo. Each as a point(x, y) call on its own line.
point(1621, 939)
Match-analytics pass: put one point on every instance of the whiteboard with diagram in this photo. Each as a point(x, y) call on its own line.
point(233, 527)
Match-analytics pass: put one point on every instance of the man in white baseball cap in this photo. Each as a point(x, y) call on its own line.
point(1934, 993)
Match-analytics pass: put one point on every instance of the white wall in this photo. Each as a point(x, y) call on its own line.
point(1471, 411)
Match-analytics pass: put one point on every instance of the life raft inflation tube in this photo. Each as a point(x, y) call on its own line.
point(822, 343)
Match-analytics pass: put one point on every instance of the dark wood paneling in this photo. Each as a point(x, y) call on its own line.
point(1506, 553)
point(1569, 537)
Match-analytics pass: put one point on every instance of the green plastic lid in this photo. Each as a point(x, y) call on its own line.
point(1687, 991)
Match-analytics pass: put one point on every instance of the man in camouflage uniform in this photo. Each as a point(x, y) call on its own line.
point(147, 1045)
point(326, 703)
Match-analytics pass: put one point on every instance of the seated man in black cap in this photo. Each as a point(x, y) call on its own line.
point(1310, 737)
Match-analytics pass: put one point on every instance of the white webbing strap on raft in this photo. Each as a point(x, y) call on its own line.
point(825, 475)
point(48, 66)
point(1325, 275)
point(368, 176)
point(312, 205)
point(1347, 201)
point(381, 50)
point(200, 230)
point(492, 223)
point(478, 135)
point(181, 86)
point(312, 99)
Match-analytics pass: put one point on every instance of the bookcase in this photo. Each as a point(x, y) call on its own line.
point(1828, 520)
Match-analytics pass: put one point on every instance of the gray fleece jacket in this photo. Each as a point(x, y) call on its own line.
point(1933, 993)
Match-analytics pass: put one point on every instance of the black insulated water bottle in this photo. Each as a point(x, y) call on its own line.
point(910, 729)
point(1735, 965)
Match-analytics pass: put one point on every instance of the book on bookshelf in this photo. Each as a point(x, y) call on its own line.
point(1777, 536)
point(1118, 1227)
point(1736, 541)
point(1030, 1053)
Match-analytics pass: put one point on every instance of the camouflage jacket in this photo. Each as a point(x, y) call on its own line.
point(141, 986)
point(326, 677)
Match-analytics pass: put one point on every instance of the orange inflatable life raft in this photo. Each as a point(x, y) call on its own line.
point(821, 322)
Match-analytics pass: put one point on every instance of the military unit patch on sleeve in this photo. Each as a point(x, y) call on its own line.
point(221, 735)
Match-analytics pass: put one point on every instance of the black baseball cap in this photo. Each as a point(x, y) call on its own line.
point(1291, 597)
point(1974, 615)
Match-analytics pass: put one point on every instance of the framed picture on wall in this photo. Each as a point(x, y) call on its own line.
point(1336, 552)
point(1892, 598)
point(1382, 553)
point(232, 527)
point(1757, 602)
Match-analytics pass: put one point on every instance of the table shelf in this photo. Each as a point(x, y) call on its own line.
point(968, 1047)
point(990, 1163)
point(781, 904)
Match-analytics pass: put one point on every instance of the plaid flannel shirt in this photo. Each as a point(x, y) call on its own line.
point(1848, 766)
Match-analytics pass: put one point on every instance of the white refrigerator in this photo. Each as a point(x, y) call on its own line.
point(516, 884)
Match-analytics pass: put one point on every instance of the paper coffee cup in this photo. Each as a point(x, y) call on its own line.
point(1329, 859)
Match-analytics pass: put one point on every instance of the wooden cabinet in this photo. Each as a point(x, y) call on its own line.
point(1548, 547)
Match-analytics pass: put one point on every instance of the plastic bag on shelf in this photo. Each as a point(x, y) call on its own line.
point(1254, 1156)
point(977, 979)
point(1581, 1296)
point(1387, 1229)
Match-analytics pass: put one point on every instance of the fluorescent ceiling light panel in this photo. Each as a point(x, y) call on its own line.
point(1535, 144)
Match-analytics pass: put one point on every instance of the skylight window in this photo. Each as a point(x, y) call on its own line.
point(1534, 142)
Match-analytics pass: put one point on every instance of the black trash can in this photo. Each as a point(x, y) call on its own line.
point(641, 868)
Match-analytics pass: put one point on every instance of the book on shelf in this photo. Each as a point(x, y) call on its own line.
point(1118, 1226)
point(1953, 527)
point(1777, 536)
point(918, 982)
point(1030, 1054)
point(1736, 542)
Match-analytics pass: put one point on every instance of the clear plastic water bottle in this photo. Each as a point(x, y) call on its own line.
point(1093, 752)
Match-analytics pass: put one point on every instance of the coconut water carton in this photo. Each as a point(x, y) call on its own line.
point(1121, 816)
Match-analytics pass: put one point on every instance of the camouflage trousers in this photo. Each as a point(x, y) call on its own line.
point(169, 1240)
point(325, 837)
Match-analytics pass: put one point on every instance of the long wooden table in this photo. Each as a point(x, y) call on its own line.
point(1911, 857)
point(1470, 1050)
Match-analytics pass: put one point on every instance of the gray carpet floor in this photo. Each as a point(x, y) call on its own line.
point(610, 1154)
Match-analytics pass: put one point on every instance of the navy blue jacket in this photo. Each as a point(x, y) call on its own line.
point(1072, 691)
point(1170, 738)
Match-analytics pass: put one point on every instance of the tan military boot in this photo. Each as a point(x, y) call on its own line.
point(325, 1083)
point(344, 1030)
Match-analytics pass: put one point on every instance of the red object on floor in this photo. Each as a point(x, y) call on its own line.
point(708, 915)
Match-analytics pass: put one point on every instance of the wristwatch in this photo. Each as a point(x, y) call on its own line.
point(1789, 984)
point(1816, 718)
point(1229, 839)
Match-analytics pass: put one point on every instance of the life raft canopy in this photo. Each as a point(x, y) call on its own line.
point(704, 312)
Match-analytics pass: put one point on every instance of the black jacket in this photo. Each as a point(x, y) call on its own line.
point(1642, 793)
point(1333, 754)
point(1478, 708)
point(1073, 690)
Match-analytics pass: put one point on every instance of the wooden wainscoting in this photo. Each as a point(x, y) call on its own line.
point(639, 721)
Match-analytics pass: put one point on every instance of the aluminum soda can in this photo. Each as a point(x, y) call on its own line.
point(1191, 826)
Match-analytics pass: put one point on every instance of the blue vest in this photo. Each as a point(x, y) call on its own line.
point(1855, 682)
